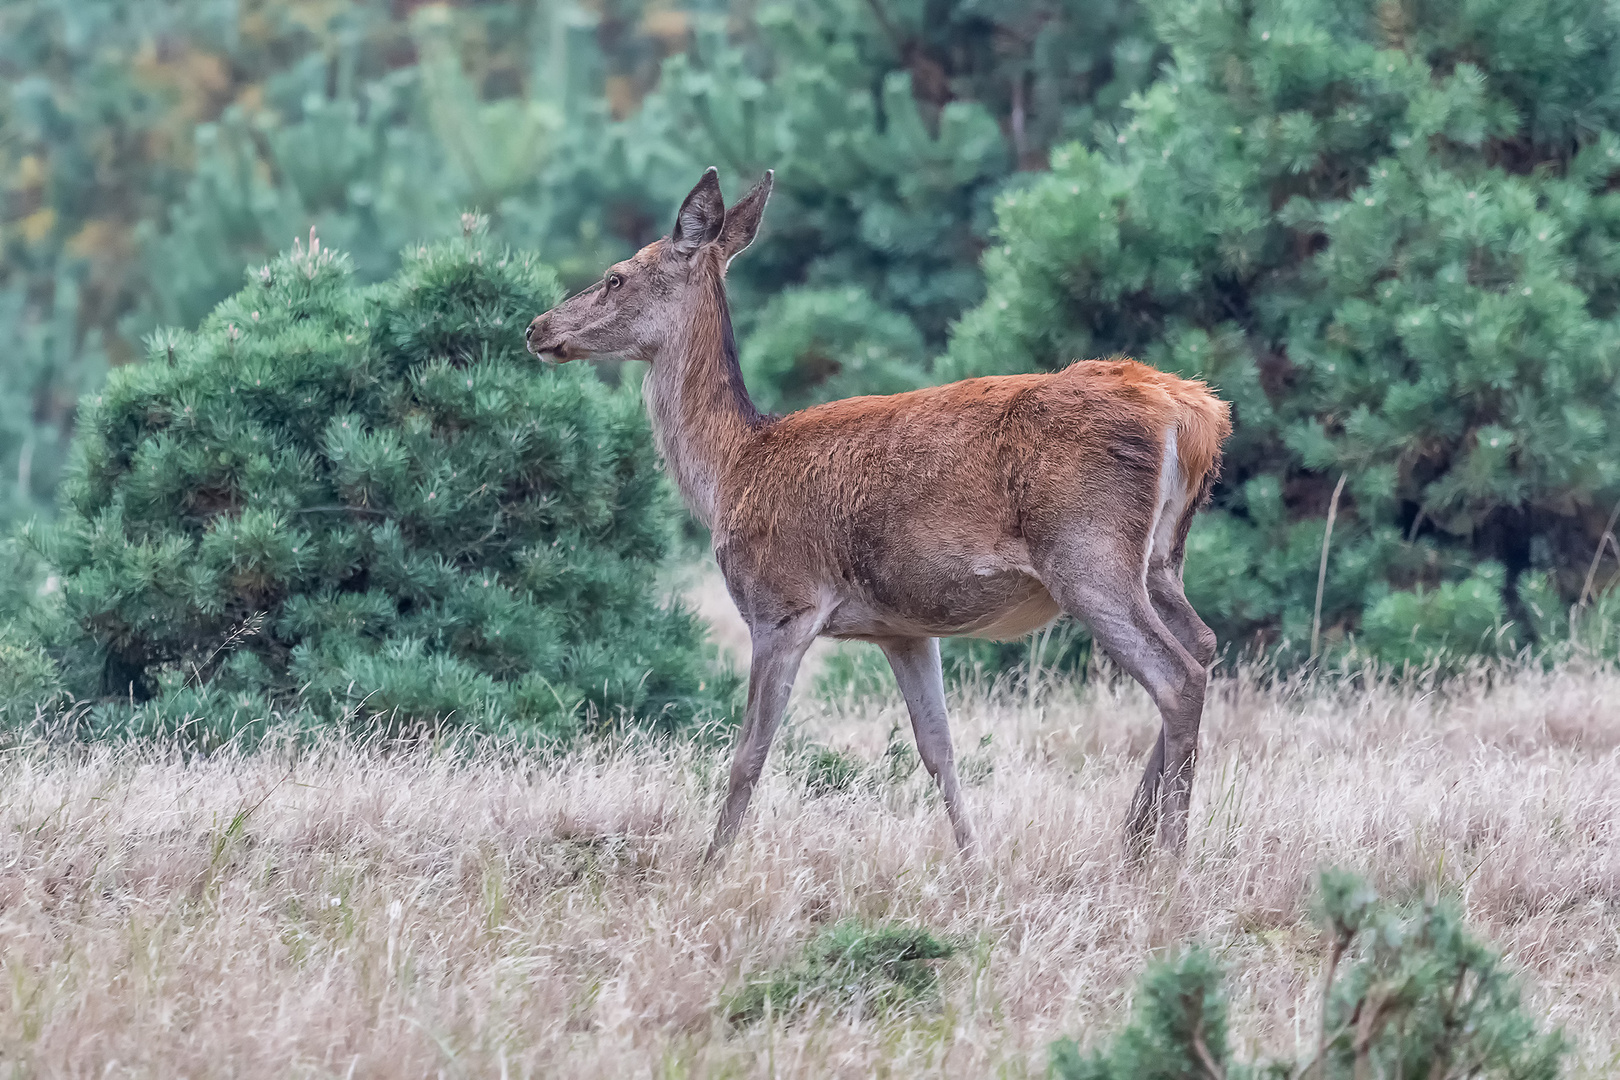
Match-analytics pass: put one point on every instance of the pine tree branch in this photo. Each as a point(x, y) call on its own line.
point(1204, 1057)
point(1341, 942)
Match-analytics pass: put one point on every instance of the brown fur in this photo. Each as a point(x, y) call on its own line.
point(985, 507)
point(906, 496)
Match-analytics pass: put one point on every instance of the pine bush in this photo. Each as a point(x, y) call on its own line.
point(370, 503)
point(1178, 1031)
point(869, 970)
point(30, 680)
point(1408, 992)
point(1388, 233)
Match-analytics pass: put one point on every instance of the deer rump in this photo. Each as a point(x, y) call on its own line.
point(937, 512)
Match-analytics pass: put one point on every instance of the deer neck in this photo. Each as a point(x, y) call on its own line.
point(700, 410)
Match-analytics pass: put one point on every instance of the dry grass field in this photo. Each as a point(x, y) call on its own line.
point(347, 912)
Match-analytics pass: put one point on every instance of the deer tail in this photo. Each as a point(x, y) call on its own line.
point(1203, 423)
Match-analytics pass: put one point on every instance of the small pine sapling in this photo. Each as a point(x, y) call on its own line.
point(1420, 997)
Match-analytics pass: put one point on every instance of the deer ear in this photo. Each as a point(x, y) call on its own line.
point(742, 218)
point(700, 217)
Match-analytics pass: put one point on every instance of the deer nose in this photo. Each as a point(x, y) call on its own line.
point(528, 335)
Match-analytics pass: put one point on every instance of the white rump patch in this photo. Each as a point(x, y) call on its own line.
point(1170, 505)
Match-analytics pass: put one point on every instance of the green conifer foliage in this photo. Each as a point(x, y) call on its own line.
point(1387, 232)
point(84, 151)
point(813, 345)
point(98, 102)
point(1408, 991)
point(372, 503)
point(891, 125)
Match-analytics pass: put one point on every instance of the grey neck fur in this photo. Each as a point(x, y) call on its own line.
point(696, 400)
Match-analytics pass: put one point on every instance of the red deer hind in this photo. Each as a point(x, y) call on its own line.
point(982, 508)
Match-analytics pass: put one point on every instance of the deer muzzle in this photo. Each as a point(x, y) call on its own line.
point(542, 342)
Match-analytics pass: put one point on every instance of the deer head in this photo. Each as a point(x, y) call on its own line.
point(642, 301)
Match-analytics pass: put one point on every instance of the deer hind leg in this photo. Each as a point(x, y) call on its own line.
point(1170, 604)
point(1164, 581)
point(1142, 820)
point(777, 653)
point(1107, 591)
point(1167, 547)
point(917, 669)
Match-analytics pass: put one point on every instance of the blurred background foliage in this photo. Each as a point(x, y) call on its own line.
point(1386, 231)
point(151, 150)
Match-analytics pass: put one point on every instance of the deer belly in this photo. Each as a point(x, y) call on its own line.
point(1002, 603)
point(1023, 618)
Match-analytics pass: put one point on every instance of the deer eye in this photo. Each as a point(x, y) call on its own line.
point(614, 281)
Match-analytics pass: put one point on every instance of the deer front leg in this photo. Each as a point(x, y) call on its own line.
point(777, 652)
point(917, 669)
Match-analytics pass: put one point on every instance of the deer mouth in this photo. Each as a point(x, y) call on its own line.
point(545, 346)
point(555, 350)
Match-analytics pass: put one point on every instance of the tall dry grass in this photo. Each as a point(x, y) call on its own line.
point(349, 912)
